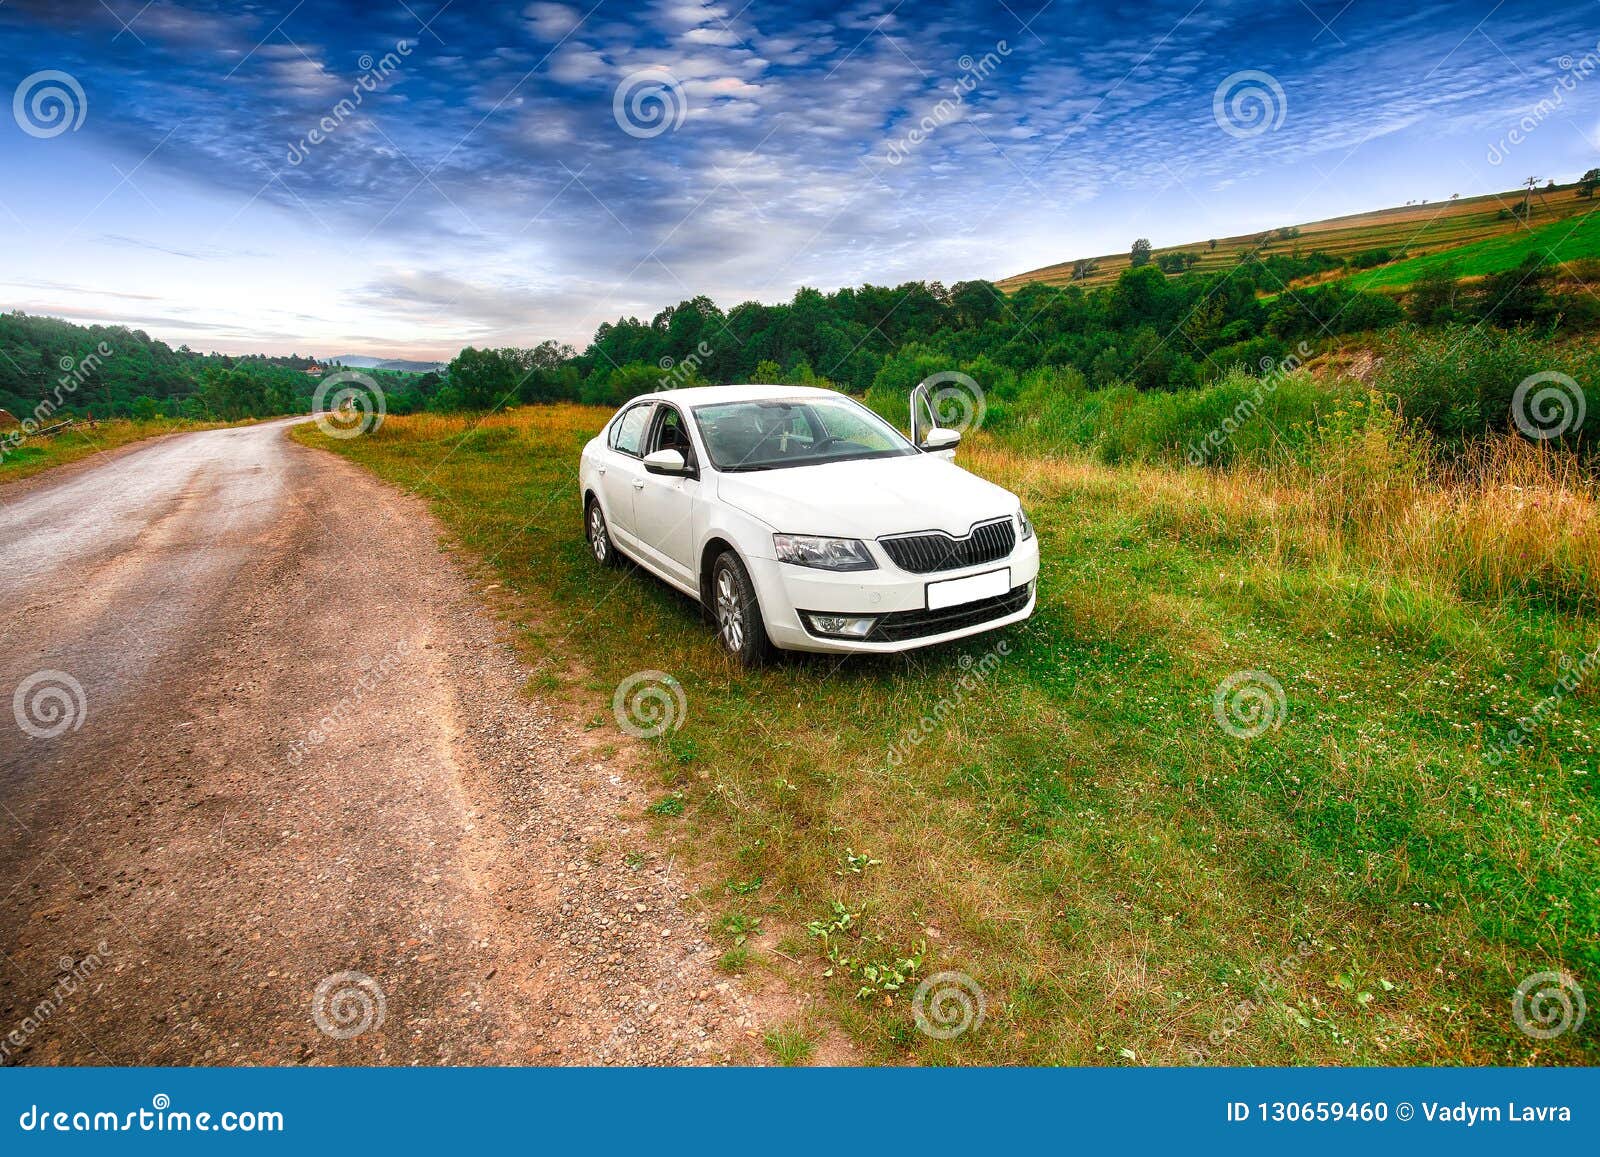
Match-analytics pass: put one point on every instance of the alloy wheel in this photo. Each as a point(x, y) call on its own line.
point(730, 611)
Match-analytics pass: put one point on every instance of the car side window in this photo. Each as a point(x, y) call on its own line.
point(672, 433)
point(627, 433)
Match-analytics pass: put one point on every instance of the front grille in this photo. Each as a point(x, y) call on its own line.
point(898, 626)
point(936, 551)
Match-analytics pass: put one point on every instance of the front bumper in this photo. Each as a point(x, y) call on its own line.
point(897, 599)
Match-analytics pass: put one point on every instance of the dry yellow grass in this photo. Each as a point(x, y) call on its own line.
point(1418, 228)
point(1509, 518)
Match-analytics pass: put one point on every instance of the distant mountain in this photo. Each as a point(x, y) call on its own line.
point(400, 365)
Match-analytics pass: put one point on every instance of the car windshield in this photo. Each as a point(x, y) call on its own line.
point(773, 434)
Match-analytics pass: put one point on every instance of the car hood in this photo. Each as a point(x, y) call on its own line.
point(868, 498)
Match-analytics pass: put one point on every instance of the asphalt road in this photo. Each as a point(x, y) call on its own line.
point(270, 792)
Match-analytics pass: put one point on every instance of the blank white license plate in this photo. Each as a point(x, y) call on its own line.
point(968, 590)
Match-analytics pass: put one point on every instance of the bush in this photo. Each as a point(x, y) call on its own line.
point(1458, 382)
point(1372, 258)
point(1240, 417)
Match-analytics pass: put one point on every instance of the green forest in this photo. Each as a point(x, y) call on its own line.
point(49, 367)
point(1152, 334)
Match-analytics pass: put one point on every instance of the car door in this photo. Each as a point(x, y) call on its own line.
point(665, 507)
point(621, 472)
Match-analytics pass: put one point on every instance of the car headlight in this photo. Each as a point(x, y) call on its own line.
point(823, 553)
point(1024, 527)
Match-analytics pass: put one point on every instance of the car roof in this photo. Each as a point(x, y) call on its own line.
point(707, 395)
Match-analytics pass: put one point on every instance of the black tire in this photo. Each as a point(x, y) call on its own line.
point(735, 612)
point(599, 535)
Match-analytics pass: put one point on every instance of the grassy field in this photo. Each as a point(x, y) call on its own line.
point(1569, 239)
point(1421, 230)
point(36, 454)
point(1126, 879)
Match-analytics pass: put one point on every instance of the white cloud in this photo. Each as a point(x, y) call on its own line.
point(551, 21)
point(578, 63)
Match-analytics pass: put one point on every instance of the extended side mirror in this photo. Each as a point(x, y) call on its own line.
point(941, 439)
point(669, 462)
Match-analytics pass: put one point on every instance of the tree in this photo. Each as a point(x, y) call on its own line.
point(1588, 183)
point(1140, 253)
point(1082, 269)
point(485, 378)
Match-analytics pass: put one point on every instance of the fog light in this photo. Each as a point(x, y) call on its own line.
point(845, 626)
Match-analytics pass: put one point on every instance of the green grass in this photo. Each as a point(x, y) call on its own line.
point(1565, 240)
point(36, 454)
point(789, 1044)
point(1120, 876)
point(1419, 229)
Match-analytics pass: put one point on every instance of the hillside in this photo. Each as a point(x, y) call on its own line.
point(1419, 230)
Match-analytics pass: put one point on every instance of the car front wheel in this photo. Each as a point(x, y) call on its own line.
point(736, 613)
point(600, 544)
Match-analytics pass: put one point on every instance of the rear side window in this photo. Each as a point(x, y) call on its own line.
point(627, 432)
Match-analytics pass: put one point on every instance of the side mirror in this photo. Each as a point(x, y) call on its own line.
point(669, 462)
point(941, 439)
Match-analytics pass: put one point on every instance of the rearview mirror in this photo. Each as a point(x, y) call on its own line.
point(669, 462)
point(941, 439)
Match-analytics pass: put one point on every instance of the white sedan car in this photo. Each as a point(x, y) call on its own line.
point(799, 519)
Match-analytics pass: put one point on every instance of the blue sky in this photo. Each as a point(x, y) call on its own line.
point(491, 188)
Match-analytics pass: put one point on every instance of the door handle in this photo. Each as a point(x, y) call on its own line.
point(602, 469)
point(638, 483)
